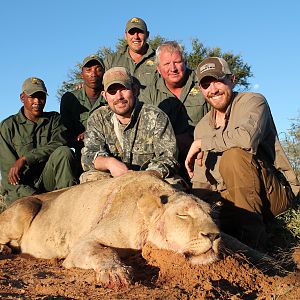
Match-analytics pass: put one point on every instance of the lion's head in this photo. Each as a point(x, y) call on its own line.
point(181, 223)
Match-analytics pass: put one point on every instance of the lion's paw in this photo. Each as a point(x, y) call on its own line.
point(117, 276)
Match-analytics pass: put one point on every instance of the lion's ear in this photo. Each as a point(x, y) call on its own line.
point(149, 205)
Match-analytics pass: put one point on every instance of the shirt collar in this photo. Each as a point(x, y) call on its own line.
point(21, 119)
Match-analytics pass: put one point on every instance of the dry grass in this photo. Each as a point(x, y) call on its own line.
point(290, 220)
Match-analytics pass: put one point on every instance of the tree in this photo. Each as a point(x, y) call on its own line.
point(241, 69)
point(291, 144)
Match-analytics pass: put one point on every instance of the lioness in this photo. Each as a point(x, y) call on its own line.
point(90, 223)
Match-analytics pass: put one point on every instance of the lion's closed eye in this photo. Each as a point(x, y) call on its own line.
point(182, 216)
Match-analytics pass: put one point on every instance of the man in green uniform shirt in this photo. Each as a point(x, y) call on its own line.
point(137, 56)
point(34, 157)
point(177, 93)
point(76, 106)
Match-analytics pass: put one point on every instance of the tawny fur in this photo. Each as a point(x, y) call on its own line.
point(88, 223)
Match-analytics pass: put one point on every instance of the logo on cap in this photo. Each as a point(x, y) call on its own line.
point(206, 67)
point(35, 80)
point(215, 67)
point(117, 75)
point(32, 85)
point(135, 20)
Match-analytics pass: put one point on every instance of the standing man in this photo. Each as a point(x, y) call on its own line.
point(76, 106)
point(127, 134)
point(239, 157)
point(34, 157)
point(177, 93)
point(137, 56)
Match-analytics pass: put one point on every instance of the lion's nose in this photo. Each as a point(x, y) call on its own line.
point(212, 236)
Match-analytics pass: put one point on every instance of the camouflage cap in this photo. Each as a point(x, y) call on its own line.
point(136, 23)
point(213, 66)
point(93, 57)
point(117, 75)
point(32, 85)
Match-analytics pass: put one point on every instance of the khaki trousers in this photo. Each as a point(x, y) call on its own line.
point(254, 194)
point(253, 186)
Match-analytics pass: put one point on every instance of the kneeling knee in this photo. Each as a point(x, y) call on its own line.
point(234, 158)
point(63, 151)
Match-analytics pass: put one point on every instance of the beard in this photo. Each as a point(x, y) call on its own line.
point(221, 103)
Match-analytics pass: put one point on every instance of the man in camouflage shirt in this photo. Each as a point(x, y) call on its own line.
point(127, 134)
point(34, 156)
point(137, 56)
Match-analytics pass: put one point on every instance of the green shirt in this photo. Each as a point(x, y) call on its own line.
point(185, 112)
point(75, 108)
point(144, 71)
point(36, 141)
point(146, 142)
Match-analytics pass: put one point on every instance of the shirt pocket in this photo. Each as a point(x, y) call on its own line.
point(142, 154)
point(195, 111)
point(42, 140)
point(23, 144)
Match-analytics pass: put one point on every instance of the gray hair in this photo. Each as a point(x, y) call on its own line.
point(170, 46)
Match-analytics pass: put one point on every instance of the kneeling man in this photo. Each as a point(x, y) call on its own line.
point(34, 156)
point(127, 134)
point(239, 157)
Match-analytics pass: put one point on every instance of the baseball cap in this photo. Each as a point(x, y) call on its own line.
point(216, 67)
point(136, 23)
point(117, 75)
point(32, 85)
point(93, 57)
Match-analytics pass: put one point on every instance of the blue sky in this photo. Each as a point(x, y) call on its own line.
point(47, 39)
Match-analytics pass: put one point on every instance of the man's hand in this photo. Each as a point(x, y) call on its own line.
point(199, 159)
point(117, 168)
point(194, 152)
point(80, 137)
point(14, 171)
point(111, 164)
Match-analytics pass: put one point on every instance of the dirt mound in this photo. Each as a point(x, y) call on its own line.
point(165, 276)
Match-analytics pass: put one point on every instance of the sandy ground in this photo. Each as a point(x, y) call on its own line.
point(161, 275)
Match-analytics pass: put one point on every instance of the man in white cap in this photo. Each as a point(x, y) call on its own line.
point(239, 157)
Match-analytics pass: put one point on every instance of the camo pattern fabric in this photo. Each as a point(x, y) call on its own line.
point(148, 140)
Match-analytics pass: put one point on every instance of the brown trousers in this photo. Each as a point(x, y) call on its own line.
point(254, 194)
